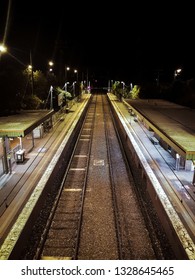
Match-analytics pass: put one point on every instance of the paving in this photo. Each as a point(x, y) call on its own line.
point(172, 185)
point(17, 185)
point(181, 179)
point(177, 175)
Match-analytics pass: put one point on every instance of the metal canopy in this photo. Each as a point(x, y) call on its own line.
point(172, 122)
point(21, 124)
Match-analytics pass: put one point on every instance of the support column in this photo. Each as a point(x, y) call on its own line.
point(5, 155)
point(193, 181)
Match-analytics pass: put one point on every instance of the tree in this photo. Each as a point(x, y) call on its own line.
point(31, 102)
point(10, 82)
point(40, 84)
point(64, 94)
point(134, 93)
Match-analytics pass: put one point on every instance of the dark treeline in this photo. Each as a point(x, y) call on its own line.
point(178, 91)
point(22, 88)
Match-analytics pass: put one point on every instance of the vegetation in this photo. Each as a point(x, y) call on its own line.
point(178, 91)
point(24, 89)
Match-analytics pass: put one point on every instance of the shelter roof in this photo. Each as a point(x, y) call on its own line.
point(23, 123)
point(172, 122)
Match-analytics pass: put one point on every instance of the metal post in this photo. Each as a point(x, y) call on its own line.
point(177, 161)
point(21, 145)
point(33, 140)
point(5, 155)
point(32, 78)
point(51, 97)
point(10, 165)
point(193, 181)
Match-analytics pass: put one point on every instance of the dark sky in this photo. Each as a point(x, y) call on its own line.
point(119, 40)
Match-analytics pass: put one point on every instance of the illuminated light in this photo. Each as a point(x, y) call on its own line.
point(178, 70)
point(51, 63)
point(2, 49)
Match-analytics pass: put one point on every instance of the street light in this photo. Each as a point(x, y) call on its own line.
point(74, 88)
point(123, 83)
point(177, 72)
point(65, 86)
point(76, 72)
point(2, 48)
point(51, 65)
point(123, 86)
point(30, 67)
point(66, 69)
point(51, 97)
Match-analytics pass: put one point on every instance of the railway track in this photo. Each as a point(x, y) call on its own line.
point(98, 213)
point(61, 236)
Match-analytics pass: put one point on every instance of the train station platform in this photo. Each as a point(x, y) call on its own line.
point(179, 177)
point(17, 186)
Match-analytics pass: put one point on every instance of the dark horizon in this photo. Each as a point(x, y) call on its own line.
point(103, 41)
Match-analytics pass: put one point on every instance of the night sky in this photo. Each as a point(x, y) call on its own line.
point(118, 41)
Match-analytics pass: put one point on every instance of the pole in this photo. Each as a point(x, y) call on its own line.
point(32, 78)
point(5, 154)
point(193, 181)
point(108, 85)
point(177, 162)
point(51, 96)
point(87, 78)
point(65, 74)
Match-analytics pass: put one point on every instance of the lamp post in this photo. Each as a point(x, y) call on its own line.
point(51, 97)
point(50, 66)
point(66, 72)
point(30, 67)
point(74, 88)
point(123, 88)
point(65, 86)
point(2, 48)
point(177, 72)
point(4, 138)
point(76, 72)
point(65, 89)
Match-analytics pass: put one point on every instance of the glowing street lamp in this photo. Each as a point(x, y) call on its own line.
point(2, 48)
point(177, 72)
point(76, 72)
point(65, 86)
point(51, 65)
point(123, 86)
point(74, 88)
point(30, 67)
point(66, 69)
